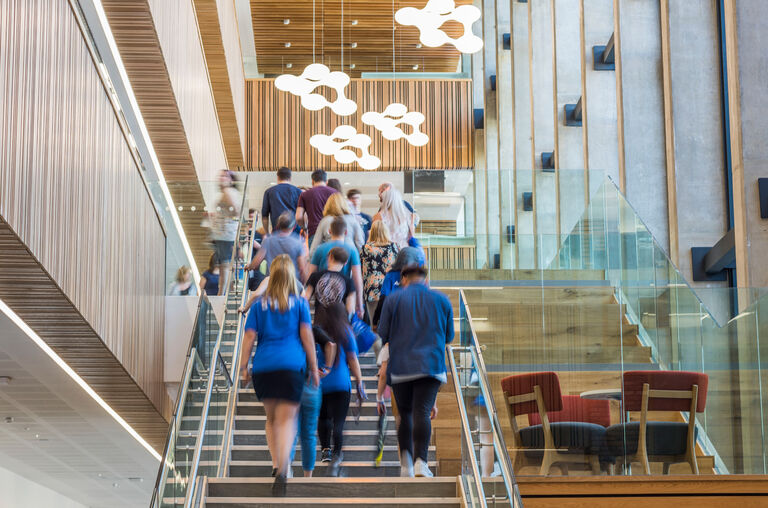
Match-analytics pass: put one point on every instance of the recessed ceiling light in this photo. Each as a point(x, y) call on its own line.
point(353, 45)
point(415, 67)
point(115, 485)
point(136, 479)
point(5, 380)
point(354, 22)
point(288, 65)
point(351, 66)
point(287, 44)
point(347, 183)
point(286, 21)
point(418, 45)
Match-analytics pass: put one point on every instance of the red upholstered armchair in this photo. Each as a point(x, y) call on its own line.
point(562, 429)
point(668, 442)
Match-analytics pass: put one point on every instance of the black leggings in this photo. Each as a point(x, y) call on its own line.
point(333, 414)
point(415, 400)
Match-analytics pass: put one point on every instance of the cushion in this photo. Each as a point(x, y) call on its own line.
point(576, 409)
point(662, 438)
point(577, 437)
point(663, 380)
point(522, 384)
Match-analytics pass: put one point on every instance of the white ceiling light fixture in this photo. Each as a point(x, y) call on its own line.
point(316, 75)
point(349, 137)
point(286, 21)
point(388, 123)
point(437, 12)
point(287, 44)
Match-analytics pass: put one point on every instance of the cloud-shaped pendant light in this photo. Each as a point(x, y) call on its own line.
point(437, 12)
point(389, 120)
point(316, 75)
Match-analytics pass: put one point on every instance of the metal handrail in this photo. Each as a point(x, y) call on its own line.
point(236, 352)
point(507, 471)
point(179, 401)
point(215, 356)
point(465, 429)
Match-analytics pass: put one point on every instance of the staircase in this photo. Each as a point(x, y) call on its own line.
point(361, 482)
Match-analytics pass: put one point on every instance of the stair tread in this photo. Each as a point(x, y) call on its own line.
point(352, 501)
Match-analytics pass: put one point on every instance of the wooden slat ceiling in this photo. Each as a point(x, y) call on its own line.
point(134, 31)
point(24, 284)
point(372, 33)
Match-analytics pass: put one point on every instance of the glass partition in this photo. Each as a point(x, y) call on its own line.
point(199, 438)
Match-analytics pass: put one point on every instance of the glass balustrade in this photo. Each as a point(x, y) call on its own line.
point(198, 441)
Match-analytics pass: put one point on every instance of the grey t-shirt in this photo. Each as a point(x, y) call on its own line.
point(276, 244)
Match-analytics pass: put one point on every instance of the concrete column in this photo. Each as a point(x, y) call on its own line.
point(698, 119)
point(601, 97)
point(545, 198)
point(570, 153)
point(492, 183)
point(522, 179)
point(479, 187)
point(506, 127)
point(753, 75)
point(644, 115)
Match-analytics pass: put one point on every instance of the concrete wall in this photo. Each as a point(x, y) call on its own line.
point(698, 120)
point(753, 75)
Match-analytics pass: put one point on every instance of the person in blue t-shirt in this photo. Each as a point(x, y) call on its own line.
point(285, 356)
point(336, 386)
point(351, 268)
point(417, 323)
point(283, 240)
point(278, 199)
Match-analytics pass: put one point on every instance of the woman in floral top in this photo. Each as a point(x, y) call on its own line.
point(377, 256)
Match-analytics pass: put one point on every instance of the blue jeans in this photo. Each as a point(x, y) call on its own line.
point(309, 411)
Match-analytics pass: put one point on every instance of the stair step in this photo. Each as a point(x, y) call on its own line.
point(257, 408)
point(352, 437)
point(349, 469)
point(309, 502)
point(354, 453)
point(319, 487)
point(258, 422)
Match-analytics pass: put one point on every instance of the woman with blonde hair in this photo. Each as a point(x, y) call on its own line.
point(285, 357)
point(182, 285)
point(398, 220)
point(376, 257)
point(337, 206)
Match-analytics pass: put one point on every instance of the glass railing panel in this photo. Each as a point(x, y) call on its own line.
point(197, 443)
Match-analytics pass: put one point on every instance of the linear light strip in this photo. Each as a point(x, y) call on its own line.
point(66, 368)
point(115, 53)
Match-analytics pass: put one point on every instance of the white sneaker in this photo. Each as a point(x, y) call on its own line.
point(421, 469)
point(406, 465)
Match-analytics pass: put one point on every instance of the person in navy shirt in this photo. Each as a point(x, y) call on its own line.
point(285, 356)
point(336, 386)
point(278, 199)
point(417, 323)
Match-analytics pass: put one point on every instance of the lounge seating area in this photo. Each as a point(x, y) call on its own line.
point(569, 431)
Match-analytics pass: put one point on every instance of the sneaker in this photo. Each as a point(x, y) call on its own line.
point(274, 472)
point(406, 465)
point(335, 468)
point(421, 469)
point(325, 456)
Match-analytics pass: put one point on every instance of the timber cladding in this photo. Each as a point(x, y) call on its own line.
point(278, 128)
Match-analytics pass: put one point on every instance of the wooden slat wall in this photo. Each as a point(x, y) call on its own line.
point(133, 27)
point(278, 128)
point(71, 193)
point(225, 71)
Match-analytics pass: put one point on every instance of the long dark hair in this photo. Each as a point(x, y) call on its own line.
point(335, 323)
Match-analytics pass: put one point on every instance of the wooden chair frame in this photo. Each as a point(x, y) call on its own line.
point(552, 455)
point(689, 456)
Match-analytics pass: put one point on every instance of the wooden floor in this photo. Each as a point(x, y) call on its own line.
point(744, 491)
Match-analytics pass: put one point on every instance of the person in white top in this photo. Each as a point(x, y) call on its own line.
point(224, 225)
point(397, 218)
